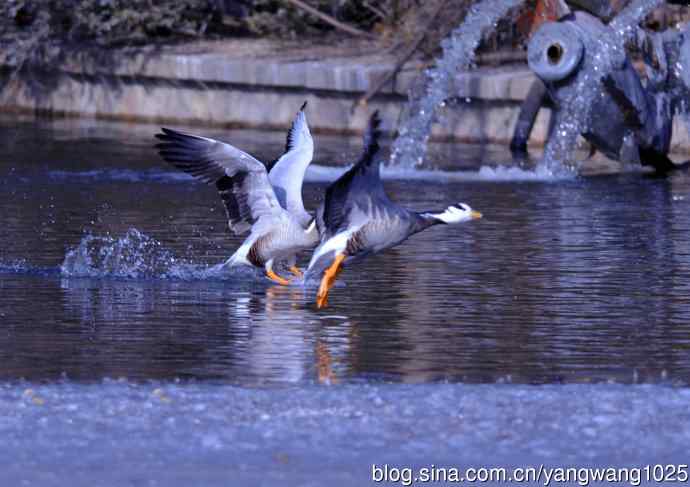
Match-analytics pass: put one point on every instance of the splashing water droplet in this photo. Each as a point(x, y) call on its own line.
point(575, 112)
point(134, 255)
point(459, 49)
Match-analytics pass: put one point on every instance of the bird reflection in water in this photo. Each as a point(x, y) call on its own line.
point(289, 341)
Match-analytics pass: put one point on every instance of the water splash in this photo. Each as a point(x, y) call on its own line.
point(503, 173)
point(681, 75)
point(624, 25)
point(18, 266)
point(682, 110)
point(575, 112)
point(458, 54)
point(135, 255)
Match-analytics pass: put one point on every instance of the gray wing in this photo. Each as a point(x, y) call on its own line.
point(358, 188)
point(287, 174)
point(241, 180)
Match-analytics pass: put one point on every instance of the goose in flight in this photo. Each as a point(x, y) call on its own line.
point(268, 205)
point(357, 218)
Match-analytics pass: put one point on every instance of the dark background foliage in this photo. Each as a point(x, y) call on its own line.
point(36, 31)
point(42, 33)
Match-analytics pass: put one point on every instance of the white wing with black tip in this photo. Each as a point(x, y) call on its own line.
point(287, 174)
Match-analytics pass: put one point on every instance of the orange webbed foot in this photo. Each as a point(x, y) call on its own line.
point(328, 280)
point(277, 279)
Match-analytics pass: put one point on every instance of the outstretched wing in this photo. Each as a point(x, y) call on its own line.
point(360, 186)
point(241, 180)
point(299, 136)
point(287, 173)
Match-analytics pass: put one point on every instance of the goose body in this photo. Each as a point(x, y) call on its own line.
point(358, 218)
point(267, 205)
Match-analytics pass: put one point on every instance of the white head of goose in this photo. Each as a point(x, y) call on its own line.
point(267, 204)
point(358, 219)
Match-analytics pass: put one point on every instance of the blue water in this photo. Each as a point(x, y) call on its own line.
point(107, 270)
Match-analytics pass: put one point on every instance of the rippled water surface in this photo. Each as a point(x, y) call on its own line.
point(562, 281)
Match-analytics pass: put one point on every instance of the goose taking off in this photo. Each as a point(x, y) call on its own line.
point(268, 205)
point(358, 219)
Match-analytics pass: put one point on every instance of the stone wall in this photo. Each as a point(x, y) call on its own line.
point(230, 85)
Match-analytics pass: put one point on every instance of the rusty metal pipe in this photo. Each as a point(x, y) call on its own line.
point(685, 57)
point(555, 51)
point(536, 97)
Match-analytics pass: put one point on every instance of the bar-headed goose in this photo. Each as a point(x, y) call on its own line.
point(358, 219)
point(268, 205)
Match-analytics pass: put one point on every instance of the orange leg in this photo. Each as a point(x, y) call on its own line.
point(276, 278)
point(328, 280)
point(296, 271)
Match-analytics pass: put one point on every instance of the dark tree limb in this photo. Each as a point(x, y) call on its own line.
point(330, 20)
point(376, 10)
point(407, 54)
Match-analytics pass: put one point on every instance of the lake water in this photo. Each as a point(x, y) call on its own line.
point(582, 280)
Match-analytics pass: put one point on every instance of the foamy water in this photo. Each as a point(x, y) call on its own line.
point(16, 266)
point(326, 174)
point(485, 173)
point(136, 255)
point(133, 255)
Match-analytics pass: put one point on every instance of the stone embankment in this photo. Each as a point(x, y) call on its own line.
point(260, 84)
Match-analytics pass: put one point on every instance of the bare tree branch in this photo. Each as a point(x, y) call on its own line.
point(330, 20)
point(407, 54)
point(378, 11)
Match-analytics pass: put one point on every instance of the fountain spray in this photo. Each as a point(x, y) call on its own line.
point(458, 55)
